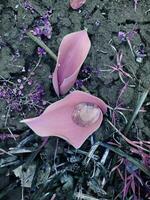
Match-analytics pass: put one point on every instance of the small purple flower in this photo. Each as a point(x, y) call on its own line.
point(122, 36)
point(36, 96)
point(27, 5)
point(130, 167)
point(130, 35)
point(43, 28)
point(41, 51)
point(37, 31)
point(15, 105)
point(79, 84)
point(87, 70)
point(1, 93)
point(30, 82)
point(13, 95)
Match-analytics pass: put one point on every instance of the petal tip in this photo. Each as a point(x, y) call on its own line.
point(76, 4)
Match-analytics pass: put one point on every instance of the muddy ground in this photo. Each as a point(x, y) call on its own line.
point(103, 19)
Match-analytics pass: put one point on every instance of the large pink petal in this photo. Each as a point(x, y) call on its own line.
point(76, 4)
point(56, 120)
point(72, 52)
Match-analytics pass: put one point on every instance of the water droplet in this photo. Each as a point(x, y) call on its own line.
point(97, 23)
point(19, 80)
point(139, 59)
point(86, 114)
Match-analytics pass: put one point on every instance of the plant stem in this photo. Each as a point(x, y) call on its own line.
point(136, 110)
point(128, 157)
point(84, 89)
point(43, 45)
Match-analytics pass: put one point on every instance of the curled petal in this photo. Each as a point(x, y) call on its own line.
point(58, 118)
point(72, 52)
point(76, 4)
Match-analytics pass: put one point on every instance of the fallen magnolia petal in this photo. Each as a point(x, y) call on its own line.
point(76, 4)
point(72, 52)
point(59, 118)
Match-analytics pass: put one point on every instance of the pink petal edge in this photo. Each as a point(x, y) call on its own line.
point(76, 4)
point(56, 120)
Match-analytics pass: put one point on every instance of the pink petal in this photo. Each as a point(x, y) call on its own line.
point(56, 120)
point(75, 4)
point(72, 52)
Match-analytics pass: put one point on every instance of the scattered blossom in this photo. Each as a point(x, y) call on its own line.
point(79, 114)
point(65, 76)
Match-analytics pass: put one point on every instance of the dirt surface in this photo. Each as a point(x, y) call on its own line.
point(103, 19)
